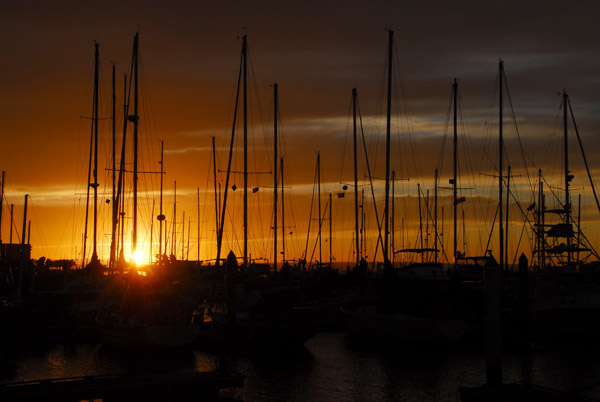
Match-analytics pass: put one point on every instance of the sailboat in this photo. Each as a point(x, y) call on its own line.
point(254, 312)
point(565, 284)
point(157, 310)
point(405, 307)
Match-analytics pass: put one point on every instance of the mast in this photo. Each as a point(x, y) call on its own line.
point(198, 244)
point(275, 161)
point(387, 149)
point(2, 204)
point(221, 223)
point(94, 185)
point(161, 216)
point(354, 106)
point(330, 233)
point(567, 206)
point(135, 119)
point(455, 167)
point(500, 161)
point(115, 210)
point(420, 222)
point(507, 215)
point(282, 214)
point(216, 191)
point(245, 106)
point(435, 216)
point(319, 197)
point(24, 232)
point(392, 240)
point(12, 221)
point(121, 185)
point(174, 238)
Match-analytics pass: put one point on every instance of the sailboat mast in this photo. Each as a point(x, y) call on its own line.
point(392, 224)
point(174, 238)
point(330, 233)
point(275, 161)
point(319, 196)
point(121, 184)
point(455, 168)
point(282, 214)
point(435, 215)
point(507, 215)
point(354, 106)
point(198, 227)
point(500, 161)
point(115, 211)
point(387, 149)
point(135, 119)
point(161, 216)
point(245, 102)
point(420, 222)
point(94, 185)
point(567, 176)
point(2, 204)
point(216, 189)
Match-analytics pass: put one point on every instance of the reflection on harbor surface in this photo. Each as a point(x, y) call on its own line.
point(332, 366)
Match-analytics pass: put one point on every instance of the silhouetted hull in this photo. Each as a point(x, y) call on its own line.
point(402, 327)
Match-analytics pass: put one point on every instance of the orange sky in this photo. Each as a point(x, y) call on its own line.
point(317, 53)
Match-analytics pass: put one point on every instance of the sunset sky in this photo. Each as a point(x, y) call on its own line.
point(316, 51)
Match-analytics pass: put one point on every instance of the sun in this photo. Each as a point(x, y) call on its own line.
point(138, 258)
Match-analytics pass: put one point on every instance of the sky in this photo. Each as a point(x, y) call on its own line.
point(316, 52)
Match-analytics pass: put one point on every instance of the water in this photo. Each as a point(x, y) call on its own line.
point(334, 367)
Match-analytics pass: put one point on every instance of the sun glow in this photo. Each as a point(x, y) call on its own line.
point(138, 258)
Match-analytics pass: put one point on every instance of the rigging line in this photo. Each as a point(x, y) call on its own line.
point(587, 168)
point(518, 245)
point(445, 136)
point(523, 152)
point(369, 171)
point(312, 200)
point(487, 246)
point(222, 222)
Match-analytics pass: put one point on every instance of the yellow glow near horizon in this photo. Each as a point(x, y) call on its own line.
point(139, 258)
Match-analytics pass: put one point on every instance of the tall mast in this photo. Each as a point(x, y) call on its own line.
point(198, 227)
point(435, 215)
point(567, 206)
point(282, 214)
point(2, 204)
point(135, 119)
point(455, 167)
point(330, 233)
point(94, 185)
point(420, 222)
point(174, 239)
point(24, 232)
point(115, 210)
point(12, 220)
point(161, 216)
point(275, 161)
point(507, 215)
point(387, 149)
point(500, 161)
point(354, 106)
point(392, 224)
point(119, 204)
point(319, 196)
point(245, 102)
point(216, 190)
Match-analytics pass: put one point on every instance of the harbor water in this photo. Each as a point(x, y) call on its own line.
point(332, 366)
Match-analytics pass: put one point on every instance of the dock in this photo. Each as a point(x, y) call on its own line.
point(519, 393)
point(204, 386)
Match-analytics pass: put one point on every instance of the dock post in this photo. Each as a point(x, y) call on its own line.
point(230, 288)
point(523, 306)
point(493, 331)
